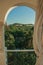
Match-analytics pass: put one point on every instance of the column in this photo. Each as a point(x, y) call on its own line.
point(2, 45)
point(38, 34)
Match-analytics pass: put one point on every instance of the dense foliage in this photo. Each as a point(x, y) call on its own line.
point(21, 58)
point(20, 36)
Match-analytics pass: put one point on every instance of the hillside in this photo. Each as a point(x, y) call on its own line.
point(19, 36)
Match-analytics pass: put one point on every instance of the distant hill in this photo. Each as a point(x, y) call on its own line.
point(19, 24)
point(25, 27)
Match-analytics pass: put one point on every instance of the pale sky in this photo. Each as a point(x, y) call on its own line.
point(21, 14)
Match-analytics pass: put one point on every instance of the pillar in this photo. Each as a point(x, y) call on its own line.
point(38, 34)
point(2, 50)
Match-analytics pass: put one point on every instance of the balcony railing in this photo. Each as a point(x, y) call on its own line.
point(31, 50)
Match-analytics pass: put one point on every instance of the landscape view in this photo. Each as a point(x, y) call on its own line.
point(19, 36)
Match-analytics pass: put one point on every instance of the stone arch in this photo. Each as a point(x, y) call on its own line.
point(16, 3)
point(19, 4)
point(15, 7)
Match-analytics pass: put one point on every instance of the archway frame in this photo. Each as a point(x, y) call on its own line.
point(5, 5)
point(21, 4)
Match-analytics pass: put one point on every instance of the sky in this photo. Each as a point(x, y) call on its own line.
point(21, 14)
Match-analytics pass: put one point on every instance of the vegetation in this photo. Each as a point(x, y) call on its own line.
point(20, 36)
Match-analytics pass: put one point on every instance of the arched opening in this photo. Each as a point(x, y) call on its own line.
point(19, 29)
